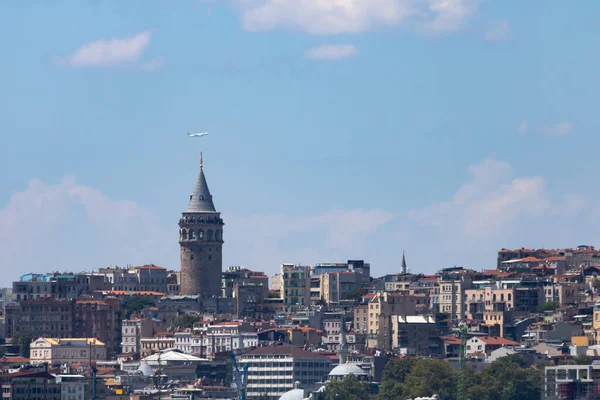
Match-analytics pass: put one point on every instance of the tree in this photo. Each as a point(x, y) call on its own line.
point(583, 360)
point(348, 388)
point(23, 340)
point(394, 376)
point(548, 306)
point(355, 295)
point(136, 303)
point(185, 321)
point(431, 376)
point(508, 378)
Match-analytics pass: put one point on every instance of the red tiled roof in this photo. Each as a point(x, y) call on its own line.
point(151, 266)
point(450, 339)
point(96, 302)
point(492, 272)
point(530, 259)
point(496, 340)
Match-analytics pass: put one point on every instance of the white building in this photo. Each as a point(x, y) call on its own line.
point(220, 337)
point(272, 371)
point(72, 387)
point(132, 331)
point(72, 351)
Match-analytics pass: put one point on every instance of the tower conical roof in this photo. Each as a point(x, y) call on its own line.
point(403, 267)
point(201, 199)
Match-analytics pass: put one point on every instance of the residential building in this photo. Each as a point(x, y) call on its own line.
point(238, 275)
point(573, 382)
point(486, 344)
point(30, 385)
point(66, 350)
point(295, 288)
point(132, 331)
point(272, 370)
point(418, 335)
point(335, 286)
point(73, 387)
point(382, 308)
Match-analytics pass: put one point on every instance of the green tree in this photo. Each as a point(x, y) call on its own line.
point(394, 376)
point(583, 360)
point(136, 303)
point(23, 340)
point(348, 388)
point(355, 295)
point(185, 321)
point(548, 306)
point(508, 378)
point(431, 376)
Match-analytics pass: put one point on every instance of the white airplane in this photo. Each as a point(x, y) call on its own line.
point(197, 134)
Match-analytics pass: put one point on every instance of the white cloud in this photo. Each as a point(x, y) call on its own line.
point(560, 129)
point(109, 52)
point(488, 201)
point(331, 52)
point(445, 16)
point(153, 64)
point(321, 17)
point(265, 241)
point(68, 226)
point(523, 126)
point(498, 31)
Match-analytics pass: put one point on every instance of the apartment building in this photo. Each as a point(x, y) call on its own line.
point(272, 370)
point(295, 288)
point(573, 382)
point(335, 286)
point(67, 350)
point(132, 331)
point(382, 308)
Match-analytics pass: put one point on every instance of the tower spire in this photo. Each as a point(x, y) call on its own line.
point(403, 267)
point(201, 199)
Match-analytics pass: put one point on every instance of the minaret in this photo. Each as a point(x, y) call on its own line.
point(201, 241)
point(403, 267)
point(343, 342)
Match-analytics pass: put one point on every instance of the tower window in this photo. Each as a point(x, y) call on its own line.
point(210, 249)
point(209, 258)
point(200, 234)
point(192, 257)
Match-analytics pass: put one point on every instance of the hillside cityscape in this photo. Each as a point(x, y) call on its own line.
point(299, 200)
point(526, 329)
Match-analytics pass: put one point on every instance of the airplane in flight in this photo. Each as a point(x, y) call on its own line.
point(197, 134)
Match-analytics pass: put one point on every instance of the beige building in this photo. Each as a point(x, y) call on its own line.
point(361, 319)
point(69, 350)
point(295, 288)
point(382, 307)
point(451, 294)
point(336, 285)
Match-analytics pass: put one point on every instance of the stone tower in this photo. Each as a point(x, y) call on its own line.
point(201, 241)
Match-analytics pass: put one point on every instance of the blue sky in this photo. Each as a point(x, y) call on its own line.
point(355, 129)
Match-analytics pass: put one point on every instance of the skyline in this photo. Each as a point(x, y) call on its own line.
point(447, 130)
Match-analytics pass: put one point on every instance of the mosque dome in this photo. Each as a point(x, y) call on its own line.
point(294, 394)
point(347, 369)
